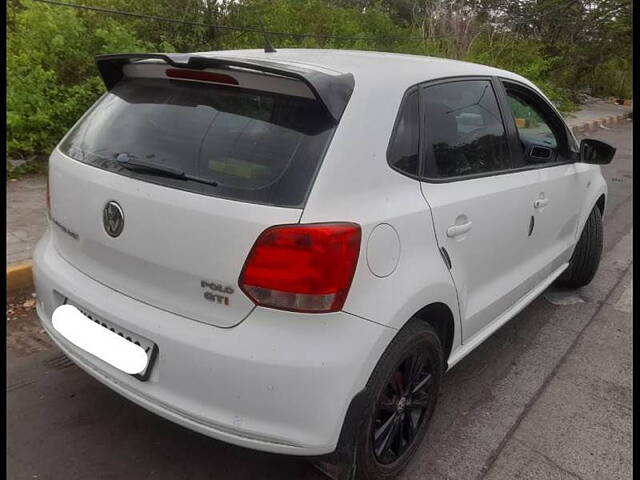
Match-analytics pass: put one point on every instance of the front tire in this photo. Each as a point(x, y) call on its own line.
point(403, 390)
point(586, 257)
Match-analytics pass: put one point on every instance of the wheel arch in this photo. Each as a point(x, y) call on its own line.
point(441, 318)
point(597, 198)
point(600, 203)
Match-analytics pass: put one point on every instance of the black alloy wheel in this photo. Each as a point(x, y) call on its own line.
point(402, 394)
point(401, 407)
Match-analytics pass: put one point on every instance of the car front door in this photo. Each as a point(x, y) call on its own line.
point(481, 208)
point(559, 186)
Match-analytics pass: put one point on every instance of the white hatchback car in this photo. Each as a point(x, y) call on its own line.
point(286, 251)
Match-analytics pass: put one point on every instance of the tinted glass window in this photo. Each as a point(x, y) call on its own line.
point(464, 127)
point(538, 142)
point(403, 151)
point(256, 146)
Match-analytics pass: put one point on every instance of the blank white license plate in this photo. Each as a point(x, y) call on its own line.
point(114, 347)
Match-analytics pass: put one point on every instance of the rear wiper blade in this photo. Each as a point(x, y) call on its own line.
point(127, 160)
point(132, 162)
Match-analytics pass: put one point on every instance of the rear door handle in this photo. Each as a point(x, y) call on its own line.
point(455, 230)
point(541, 202)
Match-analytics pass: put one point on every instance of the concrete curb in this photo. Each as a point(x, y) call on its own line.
point(594, 125)
point(19, 277)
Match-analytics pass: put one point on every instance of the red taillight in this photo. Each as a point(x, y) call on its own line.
point(202, 76)
point(303, 268)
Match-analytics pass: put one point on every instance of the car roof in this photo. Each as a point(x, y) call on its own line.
point(369, 66)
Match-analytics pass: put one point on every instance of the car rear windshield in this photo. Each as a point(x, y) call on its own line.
point(229, 142)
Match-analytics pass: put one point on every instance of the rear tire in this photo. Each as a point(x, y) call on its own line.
point(586, 257)
point(403, 390)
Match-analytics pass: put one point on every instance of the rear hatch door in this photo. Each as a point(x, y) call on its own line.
point(161, 189)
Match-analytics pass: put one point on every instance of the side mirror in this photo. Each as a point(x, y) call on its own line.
point(596, 152)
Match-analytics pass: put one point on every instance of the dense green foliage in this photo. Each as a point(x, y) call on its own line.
point(27, 169)
point(563, 46)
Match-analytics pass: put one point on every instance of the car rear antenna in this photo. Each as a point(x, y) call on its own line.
point(268, 48)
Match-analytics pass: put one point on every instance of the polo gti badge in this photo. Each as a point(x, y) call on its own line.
point(216, 287)
point(113, 219)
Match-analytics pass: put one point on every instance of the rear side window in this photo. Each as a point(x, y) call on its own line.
point(249, 145)
point(464, 130)
point(403, 149)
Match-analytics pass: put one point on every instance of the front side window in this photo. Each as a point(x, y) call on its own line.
point(403, 150)
point(539, 143)
point(464, 130)
point(244, 145)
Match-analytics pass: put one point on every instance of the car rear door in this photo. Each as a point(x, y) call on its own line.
point(481, 208)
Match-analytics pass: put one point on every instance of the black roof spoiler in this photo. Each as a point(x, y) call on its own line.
point(333, 91)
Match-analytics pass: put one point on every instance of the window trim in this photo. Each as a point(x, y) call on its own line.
point(394, 132)
point(498, 92)
point(494, 173)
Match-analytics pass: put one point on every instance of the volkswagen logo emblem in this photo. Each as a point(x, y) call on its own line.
point(113, 219)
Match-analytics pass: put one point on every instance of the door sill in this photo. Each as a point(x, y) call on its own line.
point(511, 312)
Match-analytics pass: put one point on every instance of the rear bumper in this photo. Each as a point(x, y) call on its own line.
point(279, 382)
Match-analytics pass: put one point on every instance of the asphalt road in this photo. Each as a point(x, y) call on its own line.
point(63, 424)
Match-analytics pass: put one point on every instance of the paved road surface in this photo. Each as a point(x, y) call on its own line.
point(547, 396)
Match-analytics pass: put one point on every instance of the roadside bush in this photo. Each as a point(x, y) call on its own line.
point(52, 79)
point(51, 76)
point(612, 77)
point(527, 59)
